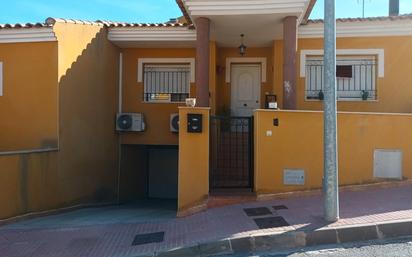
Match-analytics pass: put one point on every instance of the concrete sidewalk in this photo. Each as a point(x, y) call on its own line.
point(225, 230)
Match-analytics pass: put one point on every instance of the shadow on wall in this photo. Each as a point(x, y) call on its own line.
point(84, 170)
point(87, 106)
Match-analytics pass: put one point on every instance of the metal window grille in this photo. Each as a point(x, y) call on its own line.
point(166, 83)
point(356, 78)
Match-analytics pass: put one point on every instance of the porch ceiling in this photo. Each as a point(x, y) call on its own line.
point(260, 20)
point(261, 32)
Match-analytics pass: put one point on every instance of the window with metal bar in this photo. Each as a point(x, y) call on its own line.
point(166, 82)
point(356, 78)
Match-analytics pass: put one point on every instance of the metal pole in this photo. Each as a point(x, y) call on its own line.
point(393, 7)
point(363, 9)
point(331, 190)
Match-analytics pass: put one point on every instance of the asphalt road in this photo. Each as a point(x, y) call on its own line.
point(392, 248)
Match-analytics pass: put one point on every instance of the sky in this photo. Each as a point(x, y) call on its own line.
point(353, 8)
point(22, 11)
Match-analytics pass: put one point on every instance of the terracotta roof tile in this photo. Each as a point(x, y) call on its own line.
point(23, 25)
point(382, 18)
point(51, 21)
point(127, 24)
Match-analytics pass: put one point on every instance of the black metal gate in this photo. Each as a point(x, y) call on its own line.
point(231, 152)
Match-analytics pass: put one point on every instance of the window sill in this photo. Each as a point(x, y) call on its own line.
point(160, 102)
point(344, 100)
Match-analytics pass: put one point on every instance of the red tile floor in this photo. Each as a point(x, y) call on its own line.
point(115, 238)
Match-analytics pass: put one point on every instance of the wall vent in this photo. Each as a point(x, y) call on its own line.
point(387, 163)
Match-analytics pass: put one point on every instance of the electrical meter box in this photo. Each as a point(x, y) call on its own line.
point(194, 123)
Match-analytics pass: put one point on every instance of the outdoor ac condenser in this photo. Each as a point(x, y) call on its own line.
point(174, 122)
point(130, 122)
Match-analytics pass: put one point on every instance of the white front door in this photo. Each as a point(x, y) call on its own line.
point(245, 89)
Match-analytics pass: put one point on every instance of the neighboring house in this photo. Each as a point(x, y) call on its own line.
point(62, 83)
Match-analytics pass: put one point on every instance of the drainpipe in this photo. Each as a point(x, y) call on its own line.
point(393, 7)
point(330, 179)
point(120, 95)
point(119, 110)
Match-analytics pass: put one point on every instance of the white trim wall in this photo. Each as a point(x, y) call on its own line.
point(260, 60)
point(143, 61)
point(225, 7)
point(167, 34)
point(380, 53)
point(359, 29)
point(23, 35)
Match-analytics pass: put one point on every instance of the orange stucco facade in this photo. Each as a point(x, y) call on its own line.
point(157, 115)
point(223, 92)
point(193, 185)
point(61, 98)
point(28, 107)
point(359, 134)
point(88, 75)
point(393, 89)
point(371, 125)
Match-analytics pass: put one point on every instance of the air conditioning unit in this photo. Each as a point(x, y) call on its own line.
point(130, 122)
point(174, 122)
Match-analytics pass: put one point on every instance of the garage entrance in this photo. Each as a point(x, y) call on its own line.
point(163, 172)
point(148, 172)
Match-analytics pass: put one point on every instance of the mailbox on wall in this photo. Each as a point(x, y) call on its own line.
point(194, 123)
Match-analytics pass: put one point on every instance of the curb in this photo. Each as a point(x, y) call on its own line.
point(292, 240)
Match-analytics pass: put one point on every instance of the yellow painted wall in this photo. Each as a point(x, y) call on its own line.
point(223, 88)
point(28, 107)
point(70, 87)
point(88, 157)
point(394, 90)
point(157, 115)
point(359, 134)
point(193, 161)
point(29, 183)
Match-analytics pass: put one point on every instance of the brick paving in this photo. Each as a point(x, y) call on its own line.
point(115, 240)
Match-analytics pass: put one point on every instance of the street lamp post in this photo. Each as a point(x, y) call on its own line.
point(330, 183)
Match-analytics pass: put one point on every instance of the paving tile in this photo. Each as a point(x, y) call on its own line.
point(113, 236)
